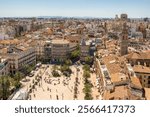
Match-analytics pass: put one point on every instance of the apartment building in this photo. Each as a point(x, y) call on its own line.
point(139, 58)
point(19, 57)
point(39, 47)
point(143, 73)
point(115, 82)
point(59, 50)
point(85, 49)
point(47, 51)
point(4, 66)
point(73, 38)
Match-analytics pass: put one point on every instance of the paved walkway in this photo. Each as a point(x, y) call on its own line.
point(61, 88)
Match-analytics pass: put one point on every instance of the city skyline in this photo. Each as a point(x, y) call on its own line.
point(74, 8)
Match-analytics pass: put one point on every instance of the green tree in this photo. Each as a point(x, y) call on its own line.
point(17, 84)
point(29, 69)
point(86, 74)
point(87, 84)
point(55, 73)
point(54, 67)
point(68, 62)
point(87, 88)
point(96, 55)
point(88, 96)
point(65, 69)
point(86, 67)
point(5, 87)
point(18, 76)
point(88, 60)
point(75, 54)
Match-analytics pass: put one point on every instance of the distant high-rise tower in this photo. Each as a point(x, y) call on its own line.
point(124, 17)
point(124, 40)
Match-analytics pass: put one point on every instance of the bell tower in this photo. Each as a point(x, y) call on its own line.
point(124, 40)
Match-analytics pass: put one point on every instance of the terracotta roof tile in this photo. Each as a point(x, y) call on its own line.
point(141, 69)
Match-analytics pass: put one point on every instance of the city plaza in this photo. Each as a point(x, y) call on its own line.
point(57, 88)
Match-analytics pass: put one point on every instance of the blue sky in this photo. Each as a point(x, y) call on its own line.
point(93, 8)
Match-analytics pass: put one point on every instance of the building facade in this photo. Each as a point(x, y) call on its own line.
point(4, 67)
point(139, 58)
point(59, 50)
point(85, 50)
point(143, 73)
point(124, 17)
point(19, 57)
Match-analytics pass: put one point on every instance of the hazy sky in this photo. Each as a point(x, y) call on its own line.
point(93, 8)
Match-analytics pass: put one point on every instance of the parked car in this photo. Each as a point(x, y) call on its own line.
point(36, 69)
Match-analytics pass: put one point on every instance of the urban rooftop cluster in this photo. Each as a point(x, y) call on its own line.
point(75, 59)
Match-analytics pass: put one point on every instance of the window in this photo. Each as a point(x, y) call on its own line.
point(140, 76)
point(143, 85)
point(111, 91)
